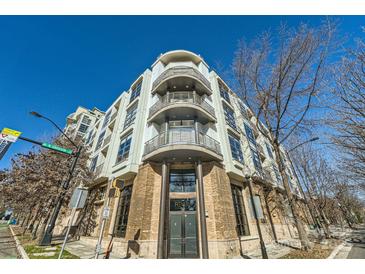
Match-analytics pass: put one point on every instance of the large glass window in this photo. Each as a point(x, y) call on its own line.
point(239, 209)
point(93, 163)
point(106, 118)
point(224, 92)
point(100, 140)
point(122, 213)
point(235, 148)
point(83, 128)
point(269, 151)
point(229, 116)
point(277, 175)
point(124, 147)
point(86, 120)
point(249, 134)
point(182, 180)
point(131, 116)
point(256, 160)
point(136, 91)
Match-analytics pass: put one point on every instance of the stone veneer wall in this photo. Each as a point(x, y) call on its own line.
point(142, 229)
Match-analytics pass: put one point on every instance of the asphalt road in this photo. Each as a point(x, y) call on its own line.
point(7, 243)
point(357, 238)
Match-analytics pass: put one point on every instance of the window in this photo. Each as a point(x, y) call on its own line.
point(269, 152)
point(182, 180)
point(86, 120)
point(257, 205)
point(93, 163)
point(224, 92)
point(229, 115)
point(249, 134)
point(83, 128)
point(256, 160)
point(123, 211)
point(243, 110)
point(131, 116)
point(89, 135)
point(106, 118)
point(235, 148)
point(124, 147)
point(239, 210)
point(136, 91)
point(100, 141)
point(277, 175)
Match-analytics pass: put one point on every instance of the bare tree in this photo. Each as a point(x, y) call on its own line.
point(350, 110)
point(279, 78)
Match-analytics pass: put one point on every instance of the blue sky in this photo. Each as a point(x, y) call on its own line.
point(52, 64)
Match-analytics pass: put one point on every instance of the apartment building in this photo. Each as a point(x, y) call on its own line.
point(178, 147)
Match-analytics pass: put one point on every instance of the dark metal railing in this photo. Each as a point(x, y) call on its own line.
point(182, 136)
point(181, 97)
point(183, 71)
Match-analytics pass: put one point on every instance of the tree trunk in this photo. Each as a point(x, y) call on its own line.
point(294, 208)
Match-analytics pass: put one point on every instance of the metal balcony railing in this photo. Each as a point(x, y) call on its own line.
point(180, 70)
point(181, 97)
point(182, 136)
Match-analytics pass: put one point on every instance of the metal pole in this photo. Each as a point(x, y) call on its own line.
point(70, 223)
point(47, 237)
point(262, 243)
point(203, 223)
point(161, 224)
point(106, 205)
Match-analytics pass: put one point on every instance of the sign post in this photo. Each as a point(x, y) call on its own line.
point(78, 200)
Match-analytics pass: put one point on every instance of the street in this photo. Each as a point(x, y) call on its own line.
point(7, 243)
point(357, 238)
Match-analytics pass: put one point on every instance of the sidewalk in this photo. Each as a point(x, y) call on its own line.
point(7, 243)
point(84, 250)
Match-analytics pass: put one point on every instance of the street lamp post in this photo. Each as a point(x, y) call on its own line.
point(47, 237)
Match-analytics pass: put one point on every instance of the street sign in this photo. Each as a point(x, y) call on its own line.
point(10, 135)
point(57, 148)
point(77, 202)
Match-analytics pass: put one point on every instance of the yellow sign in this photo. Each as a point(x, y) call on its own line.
point(8, 131)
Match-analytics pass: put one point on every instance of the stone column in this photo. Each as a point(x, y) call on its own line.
point(161, 225)
point(203, 223)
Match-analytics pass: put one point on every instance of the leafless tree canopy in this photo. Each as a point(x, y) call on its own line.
point(350, 120)
point(280, 76)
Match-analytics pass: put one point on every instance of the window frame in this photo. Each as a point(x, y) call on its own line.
point(130, 116)
point(136, 91)
point(121, 223)
point(236, 149)
point(229, 116)
point(223, 91)
point(242, 227)
point(126, 143)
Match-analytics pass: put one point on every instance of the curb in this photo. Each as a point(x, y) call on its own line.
point(19, 247)
point(336, 251)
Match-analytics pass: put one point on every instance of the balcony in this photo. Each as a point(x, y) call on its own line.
point(182, 144)
point(182, 105)
point(181, 76)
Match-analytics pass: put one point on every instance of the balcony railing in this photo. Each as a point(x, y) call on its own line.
point(182, 136)
point(181, 70)
point(181, 97)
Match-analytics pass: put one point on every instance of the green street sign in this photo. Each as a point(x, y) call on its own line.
point(57, 148)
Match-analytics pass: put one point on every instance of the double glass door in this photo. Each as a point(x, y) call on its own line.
point(183, 239)
point(183, 229)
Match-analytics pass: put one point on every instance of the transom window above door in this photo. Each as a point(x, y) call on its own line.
point(182, 180)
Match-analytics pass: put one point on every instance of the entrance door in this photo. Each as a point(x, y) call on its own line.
point(183, 242)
